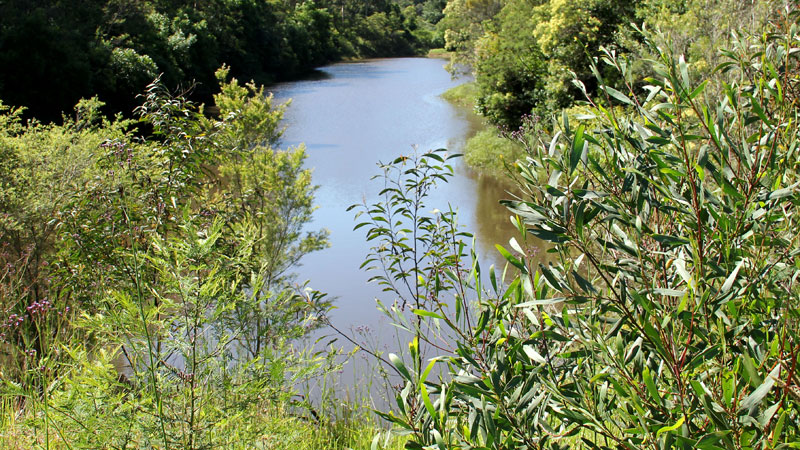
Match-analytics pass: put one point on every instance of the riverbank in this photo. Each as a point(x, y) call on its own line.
point(486, 151)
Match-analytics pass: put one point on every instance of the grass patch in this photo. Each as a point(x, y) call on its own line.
point(22, 430)
point(462, 95)
point(439, 53)
point(488, 152)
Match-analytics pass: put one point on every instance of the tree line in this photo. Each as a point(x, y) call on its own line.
point(526, 54)
point(53, 53)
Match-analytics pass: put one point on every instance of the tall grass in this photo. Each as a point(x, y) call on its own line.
point(20, 429)
point(489, 152)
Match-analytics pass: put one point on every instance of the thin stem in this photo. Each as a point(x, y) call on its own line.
point(143, 318)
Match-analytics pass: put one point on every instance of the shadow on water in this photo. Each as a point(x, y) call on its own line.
point(367, 69)
point(314, 75)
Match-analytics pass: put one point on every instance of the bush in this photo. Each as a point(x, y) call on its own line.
point(169, 256)
point(41, 168)
point(671, 317)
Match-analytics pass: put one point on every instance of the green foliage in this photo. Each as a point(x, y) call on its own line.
point(42, 167)
point(524, 54)
point(417, 252)
point(463, 95)
point(93, 409)
point(464, 22)
point(131, 70)
point(268, 194)
point(698, 29)
point(489, 150)
point(252, 119)
point(170, 257)
point(670, 318)
point(54, 53)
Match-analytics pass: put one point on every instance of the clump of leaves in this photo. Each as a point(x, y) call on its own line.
point(670, 319)
point(41, 166)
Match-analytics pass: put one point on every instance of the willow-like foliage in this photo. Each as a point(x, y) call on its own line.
point(670, 316)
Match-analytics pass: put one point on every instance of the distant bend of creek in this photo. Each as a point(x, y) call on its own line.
point(352, 116)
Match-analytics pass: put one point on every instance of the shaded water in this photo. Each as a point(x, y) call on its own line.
point(352, 117)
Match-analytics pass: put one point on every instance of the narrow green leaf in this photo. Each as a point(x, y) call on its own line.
point(671, 427)
point(515, 245)
point(768, 414)
point(422, 312)
point(669, 292)
point(776, 432)
point(427, 401)
point(731, 278)
point(533, 354)
point(757, 395)
point(684, 68)
point(750, 371)
point(375, 440)
point(427, 371)
point(618, 95)
point(542, 302)
point(578, 148)
point(658, 140)
point(698, 89)
point(651, 386)
point(398, 363)
point(510, 258)
point(756, 107)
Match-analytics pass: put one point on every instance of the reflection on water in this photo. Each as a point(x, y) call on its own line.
point(492, 221)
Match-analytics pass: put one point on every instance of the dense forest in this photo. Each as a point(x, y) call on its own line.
point(530, 58)
point(54, 53)
point(147, 295)
point(526, 54)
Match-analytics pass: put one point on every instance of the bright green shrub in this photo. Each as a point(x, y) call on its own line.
point(525, 54)
point(41, 168)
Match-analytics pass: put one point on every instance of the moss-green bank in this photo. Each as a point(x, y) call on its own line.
point(439, 53)
point(462, 95)
point(486, 151)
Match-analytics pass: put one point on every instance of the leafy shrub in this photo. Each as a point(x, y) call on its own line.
point(671, 317)
point(41, 167)
point(171, 258)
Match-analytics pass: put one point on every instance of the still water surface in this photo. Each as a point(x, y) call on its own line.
point(350, 118)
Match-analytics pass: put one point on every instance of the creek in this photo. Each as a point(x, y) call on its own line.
point(350, 117)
